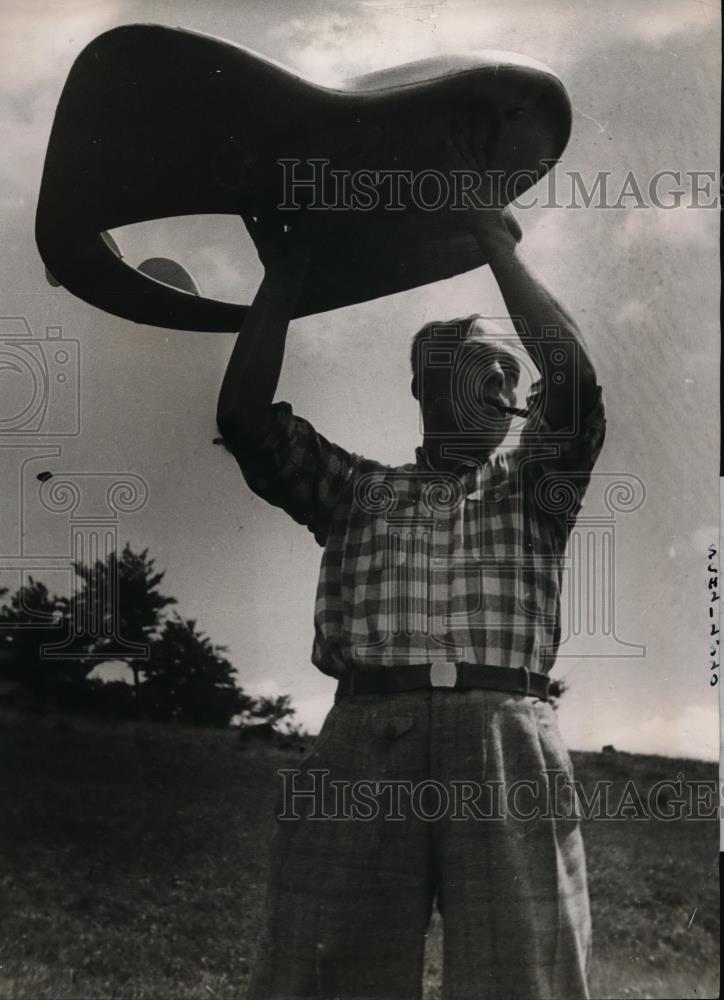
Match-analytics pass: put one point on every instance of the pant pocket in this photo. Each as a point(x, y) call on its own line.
point(555, 750)
point(563, 798)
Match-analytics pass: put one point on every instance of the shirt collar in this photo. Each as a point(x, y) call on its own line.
point(469, 470)
point(423, 461)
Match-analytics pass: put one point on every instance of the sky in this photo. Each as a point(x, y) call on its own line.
point(643, 283)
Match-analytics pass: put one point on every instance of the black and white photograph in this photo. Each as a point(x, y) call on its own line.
point(360, 521)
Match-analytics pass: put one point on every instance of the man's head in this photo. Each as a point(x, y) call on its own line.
point(463, 375)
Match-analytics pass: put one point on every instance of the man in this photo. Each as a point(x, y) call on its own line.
point(438, 610)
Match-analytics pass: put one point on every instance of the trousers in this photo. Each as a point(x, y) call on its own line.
point(459, 798)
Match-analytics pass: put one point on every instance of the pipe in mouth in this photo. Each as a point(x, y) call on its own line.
point(514, 411)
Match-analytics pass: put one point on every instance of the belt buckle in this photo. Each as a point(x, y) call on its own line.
point(443, 674)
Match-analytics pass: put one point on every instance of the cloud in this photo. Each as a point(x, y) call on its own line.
point(682, 226)
point(41, 39)
point(688, 731)
point(633, 312)
point(702, 537)
point(311, 711)
point(264, 687)
point(348, 40)
point(662, 22)
point(333, 47)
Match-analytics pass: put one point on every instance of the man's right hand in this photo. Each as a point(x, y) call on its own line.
point(244, 405)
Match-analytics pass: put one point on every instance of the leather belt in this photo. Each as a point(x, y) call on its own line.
point(453, 676)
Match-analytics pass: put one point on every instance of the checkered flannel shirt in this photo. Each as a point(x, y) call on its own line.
point(421, 566)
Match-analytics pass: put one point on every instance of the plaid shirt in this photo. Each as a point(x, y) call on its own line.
point(421, 565)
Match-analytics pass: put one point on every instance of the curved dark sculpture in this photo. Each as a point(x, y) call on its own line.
point(156, 122)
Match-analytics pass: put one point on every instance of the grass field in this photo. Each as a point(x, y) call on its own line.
point(134, 860)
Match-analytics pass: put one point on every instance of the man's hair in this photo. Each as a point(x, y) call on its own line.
point(459, 328)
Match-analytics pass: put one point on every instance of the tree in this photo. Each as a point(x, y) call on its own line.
point(274, 710)
point(185, 677)
point(139, 605)
point(31, 620)
point(188, 679)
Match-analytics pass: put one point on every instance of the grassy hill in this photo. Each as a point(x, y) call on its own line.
point(134, 861)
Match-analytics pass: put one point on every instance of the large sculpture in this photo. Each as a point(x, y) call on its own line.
point(156, 122)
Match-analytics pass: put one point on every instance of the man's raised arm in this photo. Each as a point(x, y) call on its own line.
point(534, 310)
point(243, 411)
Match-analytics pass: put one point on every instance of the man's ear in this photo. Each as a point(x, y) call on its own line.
point(413, 388)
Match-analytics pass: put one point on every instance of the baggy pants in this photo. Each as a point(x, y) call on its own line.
point(460, 797)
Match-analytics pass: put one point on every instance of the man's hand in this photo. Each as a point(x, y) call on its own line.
point(494, 226)
point(283, 246)
point(531, 306)
point(243, 411)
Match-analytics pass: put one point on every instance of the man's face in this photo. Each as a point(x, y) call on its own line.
point(463, 385)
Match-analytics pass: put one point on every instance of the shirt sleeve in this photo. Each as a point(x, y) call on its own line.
point(298, 470)
point(558, 462)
